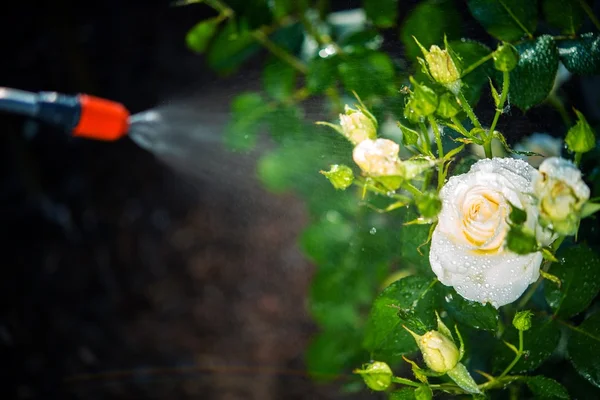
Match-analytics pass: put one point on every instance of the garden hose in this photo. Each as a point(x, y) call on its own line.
point(80, 115)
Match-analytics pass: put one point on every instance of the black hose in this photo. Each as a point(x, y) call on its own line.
point(49, 107)
point(19, 102)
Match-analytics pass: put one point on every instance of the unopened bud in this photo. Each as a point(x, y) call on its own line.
point(377, 375)
point(378, 157)
point(522, 320)
point(561, 193)
point(357, 126)
point(439, 351)
point(423, 102)
point(340, 176)
point(581, 137)
point(506, 57)
point(441, 66)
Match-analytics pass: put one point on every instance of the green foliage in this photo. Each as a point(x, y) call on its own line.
point(584, 347)
point(428, 22)
point(470, 313)
point(405, 302)
point(533, 78)
point(539, 343)
point(279, 79)
point(579, 272)
point(507, 20)
point(321, 74)
point(581, 55)
point(369, 74)
point(200, 35)
point(248, 112)
point(383, 13)
point(546, 388)
point(566, 15)
point(470, 52)
point(370, 241)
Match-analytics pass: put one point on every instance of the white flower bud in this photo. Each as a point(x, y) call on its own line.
point(561, 193)
point(439, 351)
point(357, 126)
point(378, 157)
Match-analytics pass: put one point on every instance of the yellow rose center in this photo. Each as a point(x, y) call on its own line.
point(483, 219)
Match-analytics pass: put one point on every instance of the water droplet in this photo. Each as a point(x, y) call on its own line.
point(373, 231)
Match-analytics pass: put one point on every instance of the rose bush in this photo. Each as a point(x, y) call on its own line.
point(467, 247)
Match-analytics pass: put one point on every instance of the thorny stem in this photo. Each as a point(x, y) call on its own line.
point(440, 149)
point(577, 159)
point(500, 107)
point(462, 101)
point(427, 150)
point(517, 357)
point(462, 130)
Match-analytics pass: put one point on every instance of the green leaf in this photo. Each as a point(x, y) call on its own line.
point(468, 312)
point(539, 343)
point(413, 250)
point(368, 74)
point(581, 56)
point(199, 36)
point(566, 15)
point(429, 21)
point(279, 79)
point(403, 394)
point(546, 388)
point(321, 74)
point(507, 20)
point(248, 112)
point(383, 13)
point(256, 13)
point(414, 299)
point(533, 78)
point(470, 52)
point(231, 47)
point(281, 8)
point(583, 348)
point(361, 41)
point(579, 271)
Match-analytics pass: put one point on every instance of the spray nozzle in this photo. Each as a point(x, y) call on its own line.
point(82, 115)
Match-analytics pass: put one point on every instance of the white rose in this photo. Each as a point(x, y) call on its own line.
point(561, 193)
point(541, 143)
point(467, 247)
point(377, 157)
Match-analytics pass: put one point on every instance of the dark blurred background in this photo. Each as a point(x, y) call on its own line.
point(122, 278)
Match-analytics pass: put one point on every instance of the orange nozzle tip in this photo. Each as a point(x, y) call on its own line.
point(101, 119)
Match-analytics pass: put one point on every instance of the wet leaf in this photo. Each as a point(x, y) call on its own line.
point(468, 312)
point(539, 343)
point(533, 78)
point(566, 15)
point(368, 74)
point(199, 36)
point(413, 298)
point(581, 56)
point(248, 112)
point(507, 20)
point(579, 272)
point(469, 52)
point(321, 74)
point(584, 348)
point(279, 79)
point(383, 13)
point(428, 22)
point(546, 388)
